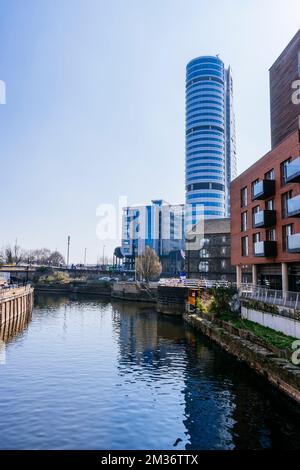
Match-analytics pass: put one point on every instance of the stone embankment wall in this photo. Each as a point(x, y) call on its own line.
point(15, 302)
point(280, 372)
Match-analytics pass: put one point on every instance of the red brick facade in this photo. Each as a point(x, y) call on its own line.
point(287, 148)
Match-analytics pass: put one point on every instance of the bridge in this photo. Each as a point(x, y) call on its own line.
point(27, 272)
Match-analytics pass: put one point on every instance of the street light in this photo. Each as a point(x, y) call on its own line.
point(68, 250)
point(103, 254)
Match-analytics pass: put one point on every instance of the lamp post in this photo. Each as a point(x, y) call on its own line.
point(85, 250)
point(103, 255)
point(68, 250)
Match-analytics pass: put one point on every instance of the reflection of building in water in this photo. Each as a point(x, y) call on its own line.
point(145, 337)
point(237, 407)
point(14, 327)
point(137, 332)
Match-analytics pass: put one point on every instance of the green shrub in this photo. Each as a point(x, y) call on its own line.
point(200, 306)
point(221, 298)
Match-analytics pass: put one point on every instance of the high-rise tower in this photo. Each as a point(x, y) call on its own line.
point(210, 139)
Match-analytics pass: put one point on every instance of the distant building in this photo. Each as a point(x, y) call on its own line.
point(210, 139)
point(158, 225)
point(208, 254)
point(284, 75)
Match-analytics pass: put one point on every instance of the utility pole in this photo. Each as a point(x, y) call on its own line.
point(103, 255)
point(68, 250)
point(85, 250)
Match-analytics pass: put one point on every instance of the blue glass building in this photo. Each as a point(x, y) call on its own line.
point(210, 139)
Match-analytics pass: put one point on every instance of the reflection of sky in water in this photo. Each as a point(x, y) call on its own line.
point(88, 374)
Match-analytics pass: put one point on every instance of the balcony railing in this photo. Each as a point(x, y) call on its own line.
point(290, 300)
point(292, 171)
point(264, 219)
point(263, 189)
point(293, 243)
point(293, 207)
point(265, 249)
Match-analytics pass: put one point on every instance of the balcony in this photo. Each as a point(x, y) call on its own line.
point(266, 249)
point(263, 189)
point(292, 171)
point(293, 243)
point(264, 219)
point(293, 207)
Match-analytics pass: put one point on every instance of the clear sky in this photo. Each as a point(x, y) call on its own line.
point(95, 104)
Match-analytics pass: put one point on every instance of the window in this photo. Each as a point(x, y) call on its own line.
point(270, 205)
point(284, 202)
point(223, 263)
point(256, 237)
point(203, 253)
point(287, 230)
point(244, 197)
point(270, 175)
point(223, 250)
point(271, 235)
point(244, 221)
point(203, 267)
point(245, 248)
point(255, 210)
point(283, 170)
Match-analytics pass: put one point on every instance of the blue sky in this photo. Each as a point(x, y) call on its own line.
point(95, 104)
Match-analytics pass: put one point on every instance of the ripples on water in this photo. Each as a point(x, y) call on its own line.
point(88, 374)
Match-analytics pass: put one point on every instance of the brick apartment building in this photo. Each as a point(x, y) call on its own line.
point(265, 199)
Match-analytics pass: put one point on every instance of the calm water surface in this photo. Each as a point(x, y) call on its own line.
point(88, 374)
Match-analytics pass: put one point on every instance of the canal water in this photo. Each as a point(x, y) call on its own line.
point(90, 374)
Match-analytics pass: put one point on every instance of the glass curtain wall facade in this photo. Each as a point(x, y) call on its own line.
point(158, 225)
point(210, 139)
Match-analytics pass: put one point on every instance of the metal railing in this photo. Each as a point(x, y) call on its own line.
point(280, 298)
point(194, 283)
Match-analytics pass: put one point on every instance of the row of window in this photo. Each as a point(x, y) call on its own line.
point(201, 92)
point(203, 73)
point(205, 177)
point(269, 205)
point(205, 170)
point(205, 195)
point(203, 60)
point(204, 265)
point(205, 85)
point(270, 175)
point(204, 65)
point(209, 164)
point(205, 121)
point(203, 128)
point(206, 145)
point(203, 153)
point(211, 112)
point(287, 230)
point(196, 186)
point(199, 105)
point(200, 136)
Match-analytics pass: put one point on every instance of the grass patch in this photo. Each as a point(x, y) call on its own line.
point(272, 337)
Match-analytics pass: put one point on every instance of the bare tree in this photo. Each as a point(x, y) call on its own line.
point(148, 266)
point(11, 255)
point(56, 259)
